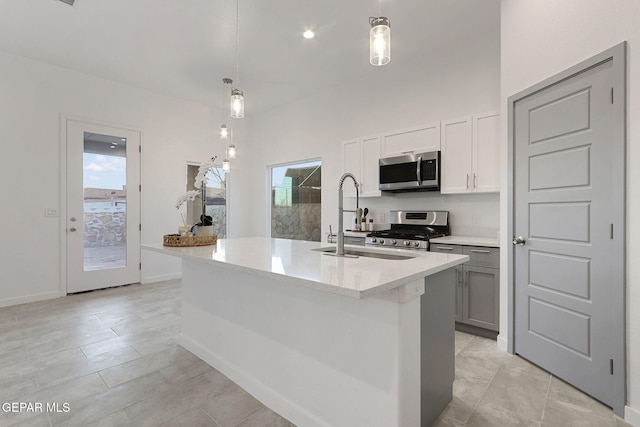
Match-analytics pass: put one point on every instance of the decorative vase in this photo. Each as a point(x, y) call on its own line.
point(204, 230)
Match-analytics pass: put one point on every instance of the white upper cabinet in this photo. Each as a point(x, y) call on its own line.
point(456, 162)
point(417, 139)
point(486, 148)
point(470, 154)
point(360, 157)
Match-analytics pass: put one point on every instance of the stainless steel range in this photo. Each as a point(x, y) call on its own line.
point(411, 229)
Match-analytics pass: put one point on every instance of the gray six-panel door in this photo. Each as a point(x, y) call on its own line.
point(565, 209)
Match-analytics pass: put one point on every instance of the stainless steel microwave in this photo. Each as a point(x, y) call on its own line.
point(410, 172)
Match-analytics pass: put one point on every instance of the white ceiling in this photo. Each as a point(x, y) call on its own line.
point(185, 48)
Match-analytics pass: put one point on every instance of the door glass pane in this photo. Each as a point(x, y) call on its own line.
point(105, 201)
point(295, 201)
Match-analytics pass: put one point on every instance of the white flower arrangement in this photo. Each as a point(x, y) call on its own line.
point(201, 177)
point(200, 182)
point(188, 196)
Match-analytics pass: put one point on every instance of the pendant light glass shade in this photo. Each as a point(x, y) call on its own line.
point(237, 104)
point(231, 151)
point(380, 41)
point(224, 132)
point(226, 165)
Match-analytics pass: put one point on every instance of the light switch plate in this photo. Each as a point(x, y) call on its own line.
point(51, 212)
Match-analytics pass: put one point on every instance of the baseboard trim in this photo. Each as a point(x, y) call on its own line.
point(160, 278)
point(257, 389)
point(30, 298)
point(632, 416)
point(502, 343)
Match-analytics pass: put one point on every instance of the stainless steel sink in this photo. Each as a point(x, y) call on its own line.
point(354, 253)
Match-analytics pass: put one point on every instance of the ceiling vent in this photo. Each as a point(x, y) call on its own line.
point(69, 2)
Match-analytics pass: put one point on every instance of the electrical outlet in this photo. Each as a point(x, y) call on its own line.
point(51, 212)
point(475, 219)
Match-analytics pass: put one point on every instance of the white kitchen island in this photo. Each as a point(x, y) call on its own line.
point(323, 340)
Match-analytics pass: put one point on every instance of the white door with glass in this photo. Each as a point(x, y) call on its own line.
point(102, 225)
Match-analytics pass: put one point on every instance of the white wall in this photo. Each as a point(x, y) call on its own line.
point(541, 38)
point(33, 96)
point(440, 85)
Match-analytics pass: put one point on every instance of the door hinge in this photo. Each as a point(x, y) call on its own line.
point(140, 188)
point(612, 95)
point(611, 366)
point(611, 231)
point(140, 266)
point(140, 227)
point(139, 148)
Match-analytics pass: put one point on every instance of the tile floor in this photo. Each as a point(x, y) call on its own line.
point(112, 357)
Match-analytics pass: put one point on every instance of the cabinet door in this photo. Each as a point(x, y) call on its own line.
point(459, 293)
point(351, 163)
point(486, 152)
point(456, 168)
point(370, 167)
point(419, 139)
point(481, 292)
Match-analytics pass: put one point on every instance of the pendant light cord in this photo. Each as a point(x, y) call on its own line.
point(224, 110)
point(237, 31)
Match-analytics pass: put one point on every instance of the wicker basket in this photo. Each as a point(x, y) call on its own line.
point(178, 240)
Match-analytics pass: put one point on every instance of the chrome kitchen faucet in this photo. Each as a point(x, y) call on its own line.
point(341, 211)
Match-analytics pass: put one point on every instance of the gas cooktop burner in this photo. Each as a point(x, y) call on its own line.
point(408, 234)
point(411, 229)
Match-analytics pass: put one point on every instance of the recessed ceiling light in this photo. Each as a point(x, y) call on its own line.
point(308, 34)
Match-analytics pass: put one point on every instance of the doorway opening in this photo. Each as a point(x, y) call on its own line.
point(101, 195)
point(296, 195)
point(217, 199)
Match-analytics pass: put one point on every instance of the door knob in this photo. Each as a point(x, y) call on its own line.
point(519, 240)
point(72, 229)
point(72, 219)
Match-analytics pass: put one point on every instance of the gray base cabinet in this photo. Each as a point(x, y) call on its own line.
point(477, 286)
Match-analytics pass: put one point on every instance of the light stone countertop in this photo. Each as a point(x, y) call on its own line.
point(295, 262)
point(470, 241)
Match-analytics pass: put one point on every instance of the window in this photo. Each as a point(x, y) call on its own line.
point(295, 201)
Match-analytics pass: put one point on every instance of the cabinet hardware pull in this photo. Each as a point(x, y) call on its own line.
point(474, 180)
point(444, 248)
point(467, 180)
point(478, 251)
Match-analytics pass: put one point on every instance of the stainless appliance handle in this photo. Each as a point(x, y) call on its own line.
point(418, 169)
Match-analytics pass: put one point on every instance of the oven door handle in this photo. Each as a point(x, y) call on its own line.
point(419, 170)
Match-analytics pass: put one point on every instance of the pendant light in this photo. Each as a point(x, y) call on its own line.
point(237, 97)
point(225, 132)
point(379, 39)
point(226, 165)
point(231, 151)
